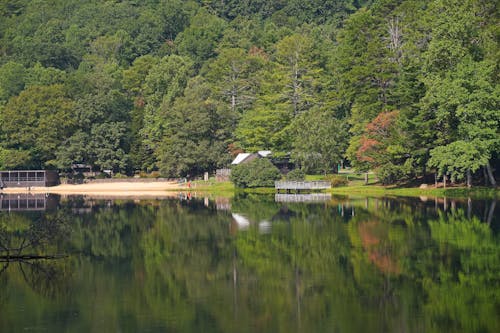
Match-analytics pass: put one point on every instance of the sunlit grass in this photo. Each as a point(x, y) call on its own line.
point(356, 186)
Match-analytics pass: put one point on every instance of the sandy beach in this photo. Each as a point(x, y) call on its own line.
point(114, 189)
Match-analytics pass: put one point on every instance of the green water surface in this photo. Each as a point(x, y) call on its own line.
point(251, 264)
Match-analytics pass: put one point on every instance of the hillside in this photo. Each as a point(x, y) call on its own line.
point(404, 88)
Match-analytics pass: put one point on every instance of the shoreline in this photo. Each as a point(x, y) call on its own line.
point(125, 189)
point(171, 188)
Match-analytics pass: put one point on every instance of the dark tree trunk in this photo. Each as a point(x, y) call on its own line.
point(490, 175)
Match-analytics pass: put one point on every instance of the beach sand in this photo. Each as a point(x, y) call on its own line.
point(114, 189)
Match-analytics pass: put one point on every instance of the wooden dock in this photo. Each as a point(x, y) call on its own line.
point(301, 185)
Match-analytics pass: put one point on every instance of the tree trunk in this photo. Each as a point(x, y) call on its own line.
point(469, 179)
point(490, 175)
point(444, 181)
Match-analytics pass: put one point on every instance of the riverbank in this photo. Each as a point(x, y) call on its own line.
point(227, 189)
point(161, 188)
point(452, 192)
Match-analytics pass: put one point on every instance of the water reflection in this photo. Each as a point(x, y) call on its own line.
point(251, 264)
point(309, 197)
point(26, 201)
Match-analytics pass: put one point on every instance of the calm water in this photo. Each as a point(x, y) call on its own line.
point(249, 264)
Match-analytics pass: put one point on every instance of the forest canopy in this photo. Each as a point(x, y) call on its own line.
point(404, 88)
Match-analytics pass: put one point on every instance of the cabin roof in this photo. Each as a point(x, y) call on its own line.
point(264, 153)
point(240, 158)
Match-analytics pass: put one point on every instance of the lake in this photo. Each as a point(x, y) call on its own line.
point(252, 263)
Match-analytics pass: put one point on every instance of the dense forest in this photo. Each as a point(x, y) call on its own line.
point(406, 88)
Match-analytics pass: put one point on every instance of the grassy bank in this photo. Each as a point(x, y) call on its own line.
point(227, 189)
point(454, 192)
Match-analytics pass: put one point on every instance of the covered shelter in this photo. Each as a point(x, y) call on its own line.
point(28, 178)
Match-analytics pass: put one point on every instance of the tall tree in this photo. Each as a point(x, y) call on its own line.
point(199, 40)
point(195, 135)
point(164, 83)
point(233, 78)
point(319, 140)
point(38, 121)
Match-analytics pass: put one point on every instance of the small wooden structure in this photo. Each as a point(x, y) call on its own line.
point(222, 175)
point(298, 186)
point(28, 178)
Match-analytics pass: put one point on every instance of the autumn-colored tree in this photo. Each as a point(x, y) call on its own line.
point(380, 148)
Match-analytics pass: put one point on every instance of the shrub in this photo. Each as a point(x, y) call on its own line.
point(102, 175)
point(391, 173)
point(119, 175)
point(337, 180)
point(257, 173)
point(152, 174)
point(296, 174)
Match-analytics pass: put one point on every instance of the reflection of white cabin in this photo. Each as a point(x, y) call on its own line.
point(241, 223)
point(242, 158)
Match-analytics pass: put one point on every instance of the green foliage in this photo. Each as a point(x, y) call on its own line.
point(457, 158)
point(12, 76)
point(194, 134)
point(318, 140)
point(38, 121)
point(106, 143)
point(301, 78)
point(296, 174)
point(199, 40)
point(392, 173)
point(11, 159)
point(257, 173)
point(337, 180)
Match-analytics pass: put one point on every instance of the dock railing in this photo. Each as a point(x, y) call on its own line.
point(302, 185)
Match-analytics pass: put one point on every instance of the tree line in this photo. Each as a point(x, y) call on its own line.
point(405, 88)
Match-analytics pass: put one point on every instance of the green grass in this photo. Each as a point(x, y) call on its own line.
point(356, 186)
point(454, 192)
point(354, 179)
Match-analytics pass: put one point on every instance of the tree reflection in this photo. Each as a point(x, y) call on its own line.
point(32, 245)
point(394, 265)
